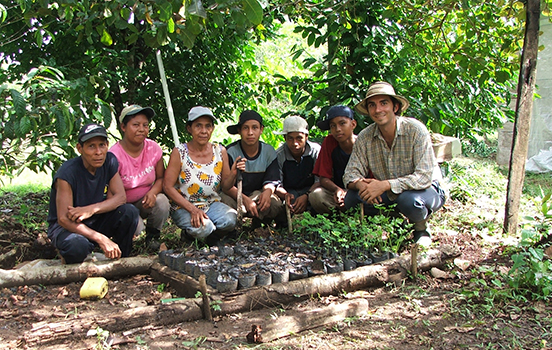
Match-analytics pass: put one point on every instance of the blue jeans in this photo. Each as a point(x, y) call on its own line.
point(221, 217)
point(416, 205)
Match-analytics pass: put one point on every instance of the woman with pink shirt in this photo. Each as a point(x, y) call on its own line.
point(141, 167)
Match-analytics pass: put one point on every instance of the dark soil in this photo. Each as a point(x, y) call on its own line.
point(429, 313)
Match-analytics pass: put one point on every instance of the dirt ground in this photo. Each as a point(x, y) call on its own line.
point(429, 313)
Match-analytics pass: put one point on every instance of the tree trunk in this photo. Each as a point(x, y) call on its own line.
point(63, 274)
point(524, 106)
point(241, 301)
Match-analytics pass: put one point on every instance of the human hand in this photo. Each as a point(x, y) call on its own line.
point(149, 200)
point(289, 199)
point(250, 206)
point(79, 214)
point(110, 248)
point(370, 190)
point(300, 204)
point(339, 196)
point(239, 164)
point(197, 217)
point(263, 201)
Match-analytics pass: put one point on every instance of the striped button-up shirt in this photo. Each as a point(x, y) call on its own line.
point(408, 165)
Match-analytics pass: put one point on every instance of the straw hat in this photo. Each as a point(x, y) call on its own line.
point(381, 88)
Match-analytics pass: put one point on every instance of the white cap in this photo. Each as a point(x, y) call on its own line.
point(200, 111)
point(294, 123)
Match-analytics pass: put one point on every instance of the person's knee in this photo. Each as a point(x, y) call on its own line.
point(352, 199)
point(75, 248)
point(203, 231)
point(162, 203)
point(317, 199)
point(228, 221)
point(129, 213)
point(413, 207)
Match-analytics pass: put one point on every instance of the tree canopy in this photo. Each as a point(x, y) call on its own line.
point(65, 63)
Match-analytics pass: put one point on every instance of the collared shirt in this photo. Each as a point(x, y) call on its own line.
point(296, 175)
point(408, 165)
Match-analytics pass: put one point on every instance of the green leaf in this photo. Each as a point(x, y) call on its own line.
point(107, 115)
point(106, 38)
point(239, 18)
point(165, 11)
point(19, 103)
point(60, 124)
point(25, 125)
point(502, 76)
point(187, 37)
point(253, 11)
point(170, 25)
point(218, 19)
point(38, 37)
point(162, 35)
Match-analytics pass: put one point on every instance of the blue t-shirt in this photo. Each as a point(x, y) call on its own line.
point(87, 188)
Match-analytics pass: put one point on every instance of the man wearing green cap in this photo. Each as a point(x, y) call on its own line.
point(398, 152)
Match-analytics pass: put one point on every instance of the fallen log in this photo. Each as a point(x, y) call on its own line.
point(64, 274)
point(242, 301)
point(285, 325)
point(164, 314)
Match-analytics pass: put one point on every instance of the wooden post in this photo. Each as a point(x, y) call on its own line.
point(524, 106)
point(206, 306)
point(414, 260)
point(288, 215)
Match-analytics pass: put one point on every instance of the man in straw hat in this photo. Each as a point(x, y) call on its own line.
point(296, 158)
point(398, 152)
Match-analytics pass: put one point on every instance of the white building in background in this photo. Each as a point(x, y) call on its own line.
point(539, 153)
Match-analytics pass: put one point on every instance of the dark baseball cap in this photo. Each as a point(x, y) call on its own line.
point(91, 130)
point(244, 116)
point(334, 112)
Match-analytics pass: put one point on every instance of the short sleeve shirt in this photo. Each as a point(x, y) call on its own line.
point(87, 188)
point(332, 161)
point(260, 170)
point(138, 174)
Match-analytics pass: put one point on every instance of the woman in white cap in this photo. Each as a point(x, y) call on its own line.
point(141, 167)
point(196, 173)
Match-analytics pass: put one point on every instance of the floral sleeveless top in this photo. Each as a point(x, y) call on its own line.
point(200, 183)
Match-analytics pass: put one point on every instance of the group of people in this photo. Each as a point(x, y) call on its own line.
point(101, 198)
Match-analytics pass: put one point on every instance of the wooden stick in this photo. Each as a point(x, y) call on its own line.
point(206, 303)
point(361, 213)
point(239, 197)
point(288, 214)
point(414, 260)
